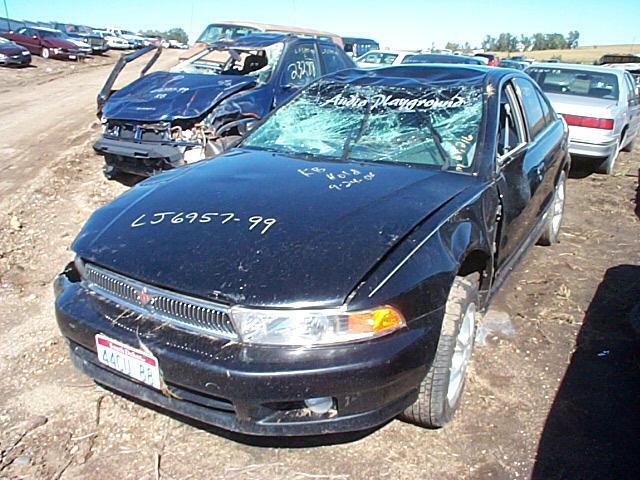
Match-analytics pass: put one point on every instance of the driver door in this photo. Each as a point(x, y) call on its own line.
point(300, 66)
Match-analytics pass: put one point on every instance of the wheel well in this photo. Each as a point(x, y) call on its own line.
point(623, 134)
point(475, 261)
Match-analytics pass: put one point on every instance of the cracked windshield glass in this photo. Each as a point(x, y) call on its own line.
point(422, 125)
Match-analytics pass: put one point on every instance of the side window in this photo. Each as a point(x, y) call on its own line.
point(332, 58)
point(546, 108)
point(631, 86)
point(302, 66)
point(511, 130)
point(531, 105)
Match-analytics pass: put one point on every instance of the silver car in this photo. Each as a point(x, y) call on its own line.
point(600, 105)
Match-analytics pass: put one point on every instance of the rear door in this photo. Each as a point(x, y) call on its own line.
point(633, 101)
point(300, 66)
point(529, 149)
point(333, 59)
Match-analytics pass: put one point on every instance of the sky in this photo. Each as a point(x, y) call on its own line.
point(395, 24)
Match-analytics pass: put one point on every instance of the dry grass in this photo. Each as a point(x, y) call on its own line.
point(587, 54)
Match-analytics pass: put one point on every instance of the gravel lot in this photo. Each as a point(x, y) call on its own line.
point(554, 385)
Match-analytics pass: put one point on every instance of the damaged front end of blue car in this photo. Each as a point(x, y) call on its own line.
point(200, 108)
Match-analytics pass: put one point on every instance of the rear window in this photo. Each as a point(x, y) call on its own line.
point(215, 33)
point(379, 57)
point(582, 83)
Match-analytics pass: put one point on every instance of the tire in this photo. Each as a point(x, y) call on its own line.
point(606, 166)
point(45, 53)
point(553, 222)
point(631, 145)
point(110, 172)
point(440, 391)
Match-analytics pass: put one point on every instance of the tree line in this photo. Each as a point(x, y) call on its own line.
point(507, 42)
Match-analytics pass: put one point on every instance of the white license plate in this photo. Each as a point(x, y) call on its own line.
point(72, 57)
point(132, 362)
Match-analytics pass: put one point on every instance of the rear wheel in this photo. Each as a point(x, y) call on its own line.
point(606, 166)
point(441, 390)
point(631, 145)
point(45, 53)
point(556, 212)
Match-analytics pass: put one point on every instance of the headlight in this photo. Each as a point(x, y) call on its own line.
point(314, 327)
point(56, 51)
point(2, 55)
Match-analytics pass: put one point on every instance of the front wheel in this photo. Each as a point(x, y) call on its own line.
point(45, 53)
point(441, 390)
point(555, 214)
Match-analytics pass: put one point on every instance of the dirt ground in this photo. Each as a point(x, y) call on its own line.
point(552, 394)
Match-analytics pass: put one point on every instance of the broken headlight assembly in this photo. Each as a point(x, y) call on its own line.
point(314, 327)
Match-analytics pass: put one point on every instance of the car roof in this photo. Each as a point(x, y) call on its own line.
point(576, 66)
point(407, 75)
point(359, 39)
point(394, 52)
point(446, 56)
point(45, 29)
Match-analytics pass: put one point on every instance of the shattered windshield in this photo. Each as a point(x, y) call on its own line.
point(425, 125)
point(256, 62)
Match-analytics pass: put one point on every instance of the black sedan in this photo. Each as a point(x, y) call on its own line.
point(12, 54)
point(328, 274)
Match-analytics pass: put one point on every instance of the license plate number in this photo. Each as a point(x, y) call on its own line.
point(132, 362)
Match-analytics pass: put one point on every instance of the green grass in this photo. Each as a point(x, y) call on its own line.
point(587, 54)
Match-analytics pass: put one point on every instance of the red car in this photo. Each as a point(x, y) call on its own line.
point(45, 42)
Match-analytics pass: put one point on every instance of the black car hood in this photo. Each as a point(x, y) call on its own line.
point(323, 243)
point(162, 96)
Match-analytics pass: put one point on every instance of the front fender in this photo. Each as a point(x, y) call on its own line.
point(417, 275)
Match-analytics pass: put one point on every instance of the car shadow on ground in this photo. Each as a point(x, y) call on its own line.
point(306, 441)
point(593, 428)
point(582, 167)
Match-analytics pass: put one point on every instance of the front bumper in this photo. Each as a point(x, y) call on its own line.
point(143, 159)
point(588, 149)
point(255, 390)
point(68, 55)
point(16, 60)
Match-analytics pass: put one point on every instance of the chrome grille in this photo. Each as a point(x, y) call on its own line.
point(157, 303)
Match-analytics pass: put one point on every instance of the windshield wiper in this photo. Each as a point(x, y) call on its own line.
point(437, 139)
point(346, 150)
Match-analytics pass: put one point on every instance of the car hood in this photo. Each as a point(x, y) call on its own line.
point(323, 243)
point(169, 95)
point(584, 106)
point(12, 49)
point(52, 42)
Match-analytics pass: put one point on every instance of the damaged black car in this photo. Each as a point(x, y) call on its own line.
point(205, 104)
point(328, 274)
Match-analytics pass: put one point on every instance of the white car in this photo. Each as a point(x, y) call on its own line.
point(84, 47)
point(383, 58)
point(600, 105)
point(135, 41)
point(113, 41)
